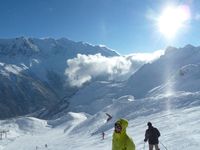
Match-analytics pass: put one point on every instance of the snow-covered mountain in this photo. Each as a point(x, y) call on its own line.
point(176, 71)
point(165, 92)
point(159, 72)
point(187, 78)
point(32, 72)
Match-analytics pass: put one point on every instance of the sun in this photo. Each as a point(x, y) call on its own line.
point(172, 19)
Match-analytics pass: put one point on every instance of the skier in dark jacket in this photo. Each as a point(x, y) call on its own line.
point(152, 134)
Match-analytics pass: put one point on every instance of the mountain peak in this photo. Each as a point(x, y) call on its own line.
point(188, 46)
point(17, 46)
point(29, 46)
point(170, 49)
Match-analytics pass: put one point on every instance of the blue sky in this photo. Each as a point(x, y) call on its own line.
point(127, 26)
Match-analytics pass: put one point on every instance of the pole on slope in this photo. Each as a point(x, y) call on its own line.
point(163, 145)
point(144, 146)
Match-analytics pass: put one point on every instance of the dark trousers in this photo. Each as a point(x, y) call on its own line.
point(151, 147)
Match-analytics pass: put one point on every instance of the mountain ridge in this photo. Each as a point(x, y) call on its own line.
point(30, 66)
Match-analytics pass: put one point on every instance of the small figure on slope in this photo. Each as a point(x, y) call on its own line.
point(103, 135)
point(109, 117)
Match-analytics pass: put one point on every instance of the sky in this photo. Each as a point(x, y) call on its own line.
point(127, 26)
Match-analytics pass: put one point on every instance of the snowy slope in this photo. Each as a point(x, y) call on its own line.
point(81, 131)
point(158, 72)
point(187, 78)
point(101, 96)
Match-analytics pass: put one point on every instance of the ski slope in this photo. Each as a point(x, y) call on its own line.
point(176, 116)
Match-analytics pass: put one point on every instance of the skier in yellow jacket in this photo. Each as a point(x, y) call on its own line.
point(121, 141)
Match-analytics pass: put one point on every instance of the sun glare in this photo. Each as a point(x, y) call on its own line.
point(173, 19)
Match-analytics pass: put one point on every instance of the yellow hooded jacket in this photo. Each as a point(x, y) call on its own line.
point(121, 141)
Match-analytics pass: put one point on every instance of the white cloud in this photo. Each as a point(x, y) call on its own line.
point(147, 57)
point(84, 68)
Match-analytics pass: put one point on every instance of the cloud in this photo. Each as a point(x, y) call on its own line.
point(147, 57)
point(84, 68)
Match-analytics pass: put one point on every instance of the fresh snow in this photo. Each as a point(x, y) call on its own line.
point(176, 116)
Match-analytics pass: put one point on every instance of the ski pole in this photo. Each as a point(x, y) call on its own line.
point(163, 145)
point(144, 146)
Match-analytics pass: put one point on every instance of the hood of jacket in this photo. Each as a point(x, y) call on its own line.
point(124, 125)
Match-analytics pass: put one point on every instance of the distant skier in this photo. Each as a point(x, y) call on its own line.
point(109, 117)
point(121, 141)
point(103, 135)
point(152, 134)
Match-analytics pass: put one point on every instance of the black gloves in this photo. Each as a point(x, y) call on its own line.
point(145, 140)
